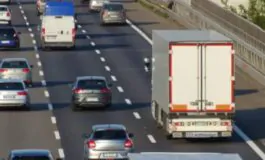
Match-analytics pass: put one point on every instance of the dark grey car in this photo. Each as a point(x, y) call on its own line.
point(112, 13)
point(91, 91)
point(31, 154)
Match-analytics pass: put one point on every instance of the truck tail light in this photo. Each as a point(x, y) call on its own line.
point(91, 144)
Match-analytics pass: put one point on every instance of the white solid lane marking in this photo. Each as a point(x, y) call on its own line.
point(37, 55)
point(30, 29)
point(92, 43)
point(87, 37)
point(34, 41)
point(46, 93)
point(107, 68)
point(84, 31)
point(53, 119)
point(136, 115)
point(39, 64)
point(151, 138)
point(57, 135)
point(128, 101)
point(113, 78)
point(41, 73)
point(120, 89)
point(31, 35)
point(43, 83)
point(78, 26)
point(50, 107)
point(61, 153)
point(97, 51)
point(251, 144)
point(102, 59)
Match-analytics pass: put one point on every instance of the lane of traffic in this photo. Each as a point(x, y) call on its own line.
point(61, 68)
point(21, 128)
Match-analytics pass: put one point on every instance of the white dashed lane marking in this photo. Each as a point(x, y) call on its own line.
point(27, 23)
point(151, 138)
point(120, 89)
point(61, 153)
point(37, 55)
point(102, 59)
point(107, 68)
point(22, 11)
point(50, 107)
point(46, 93)
point(34, 42)
point(57, 135)
point(35, 48)
point(113, 78)
point(43, 83)
point(136, 115)
point(87, 37)
point(53, 119)
point(41, 73)
point(39, 64)
point(84, 31)
point(31, 35)
point(92, 43)
point(128, 101)
point(97, 51)
point(30, 29)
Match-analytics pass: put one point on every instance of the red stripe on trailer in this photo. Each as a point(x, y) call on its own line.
point(170, 74)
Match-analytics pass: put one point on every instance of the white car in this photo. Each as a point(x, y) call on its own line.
point(5, 15)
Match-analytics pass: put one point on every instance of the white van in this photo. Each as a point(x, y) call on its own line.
point(58, 31)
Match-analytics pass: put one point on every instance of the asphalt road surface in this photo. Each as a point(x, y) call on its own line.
point(117, 53)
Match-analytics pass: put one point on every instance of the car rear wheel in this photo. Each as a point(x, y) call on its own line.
point(75, 107)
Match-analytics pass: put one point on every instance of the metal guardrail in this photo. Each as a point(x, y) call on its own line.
point(250, 55)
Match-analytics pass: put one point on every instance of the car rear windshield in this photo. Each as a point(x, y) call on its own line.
point(3, 9)
point(15, 64)
point(91, 84)
point(109, 134)
point(11, 86)
point(31, 158)
point(114, 7)
point(7, 32)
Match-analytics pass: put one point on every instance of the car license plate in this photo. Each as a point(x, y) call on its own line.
point(110, 155)
point(5, 42)
point(92, 99)
point(201, 134)
point(9, 96)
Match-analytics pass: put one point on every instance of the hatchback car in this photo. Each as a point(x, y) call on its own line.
point(112, 13)
point(108, 141)
point(9, 38)
point(31, 154)
point(16, 68)
point(40, 6)
point(90, 91)
point(13, 93)
point(96, 5)
point(5, 15)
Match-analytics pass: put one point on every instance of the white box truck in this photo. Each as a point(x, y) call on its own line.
point(193, 78)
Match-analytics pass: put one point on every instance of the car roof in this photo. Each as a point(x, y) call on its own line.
point(91, 77)
point(108, 126)
point(30, 152)
point(14, 59)
point(10, 80)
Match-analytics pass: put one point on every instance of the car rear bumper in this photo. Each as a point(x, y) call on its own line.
point(102, 102)
point(114, 20)
point(58, 44)
point(26, 79)
point(11, 103)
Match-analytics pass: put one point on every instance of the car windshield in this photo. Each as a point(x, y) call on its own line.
point(11, 86)
point(7, 32)
point(31, 158)
point(91, 84)
point(15, 64)
point(114, 7)
point(3, 9)
point(110, 134)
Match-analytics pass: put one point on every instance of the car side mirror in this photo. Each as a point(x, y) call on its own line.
point(31, 66)
point(85, 136)
point(131, 135)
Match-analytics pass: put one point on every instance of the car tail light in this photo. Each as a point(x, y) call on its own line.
point(73, 32)
point(23, 93)
point(128, 143)
point(8, 14)
point(225, 123)
point(78, 90)
point(26, 70)
point(43, 31)
point(105, 13)
point(91, 144)
point(3, 70)
point(105, 90)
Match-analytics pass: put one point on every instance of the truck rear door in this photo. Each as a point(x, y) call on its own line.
point(184, 73)
point(218, 77)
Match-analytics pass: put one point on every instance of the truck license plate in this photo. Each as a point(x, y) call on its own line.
point(201, 134)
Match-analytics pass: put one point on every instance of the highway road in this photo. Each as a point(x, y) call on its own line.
point(115, 52)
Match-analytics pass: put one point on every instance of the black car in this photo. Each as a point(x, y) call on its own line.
point(9, 38)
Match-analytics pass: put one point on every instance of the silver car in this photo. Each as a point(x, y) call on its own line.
point(108, 141)
point(13, 93)
point(112, 13)
point(40, 6)
point(91, 91)
point(31, 154)
point(96, 5)
point(16, 68)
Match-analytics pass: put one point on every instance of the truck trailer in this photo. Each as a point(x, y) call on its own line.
point(193, 79)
